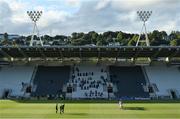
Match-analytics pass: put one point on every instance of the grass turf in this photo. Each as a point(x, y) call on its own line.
point(25, 110)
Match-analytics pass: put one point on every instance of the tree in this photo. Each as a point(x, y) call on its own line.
point(74, 35)
point(6, 36)
point(133, 41)
point(77, 38)
point(164, 35)
point(93, 36)
point(109, 34)
point(60, 37)
point(5, 39)
point(100, 40)
point(47, 38)
point(123, 38)
point(158, 38)
point(173, 42)
point(120, 37)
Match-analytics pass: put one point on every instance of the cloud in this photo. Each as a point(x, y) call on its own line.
point(67, 16)
point(102, 4)
point(73, 2)
point(5, 15)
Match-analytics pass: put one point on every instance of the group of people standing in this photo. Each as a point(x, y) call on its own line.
point(60, 108)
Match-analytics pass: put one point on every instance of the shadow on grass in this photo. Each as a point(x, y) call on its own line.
point(134, 108)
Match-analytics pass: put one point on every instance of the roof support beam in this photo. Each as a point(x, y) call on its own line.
point(174, 54)
point(23, 53)
point(61, 53)
point(80, 53)
point(137, 52)
point(42, 53)
point(6, 55)
point(99, 53)
point(118, 53)
point(157, 53)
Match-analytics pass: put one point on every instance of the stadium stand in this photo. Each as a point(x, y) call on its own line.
point(129, 81)
point(89, 81)
point(50, 80)
point(13, 79)
point(166, 79)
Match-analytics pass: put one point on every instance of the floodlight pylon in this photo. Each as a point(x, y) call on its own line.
point(35, 16)
point(144, 16)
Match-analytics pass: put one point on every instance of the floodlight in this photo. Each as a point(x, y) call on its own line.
point(144, 16)
point(35, 16)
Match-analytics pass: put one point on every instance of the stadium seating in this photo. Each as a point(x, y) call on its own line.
point(129, 82)
point(49, 80)
point(89, 81)
point(13, 78)
point(165, 78)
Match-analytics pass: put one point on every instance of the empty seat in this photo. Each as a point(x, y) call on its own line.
point(129, 81)
point(50, 80)
point(12, 77)
point(166, 78)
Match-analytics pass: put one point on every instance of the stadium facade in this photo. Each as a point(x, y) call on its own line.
point(90, 72)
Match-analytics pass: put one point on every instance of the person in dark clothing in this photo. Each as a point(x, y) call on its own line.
point(62, 108)
point(56, 108)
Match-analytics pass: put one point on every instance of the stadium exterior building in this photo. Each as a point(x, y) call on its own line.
point(90, 72)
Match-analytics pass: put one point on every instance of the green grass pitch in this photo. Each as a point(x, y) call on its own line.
point(46, 110)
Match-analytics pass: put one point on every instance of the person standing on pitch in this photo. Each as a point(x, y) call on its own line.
point(61, 108)
point(56, 108)
point(120, 104)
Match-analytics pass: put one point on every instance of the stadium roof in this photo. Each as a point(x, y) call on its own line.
point(88, 52)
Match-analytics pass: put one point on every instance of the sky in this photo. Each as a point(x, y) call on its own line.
point(64, 17)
